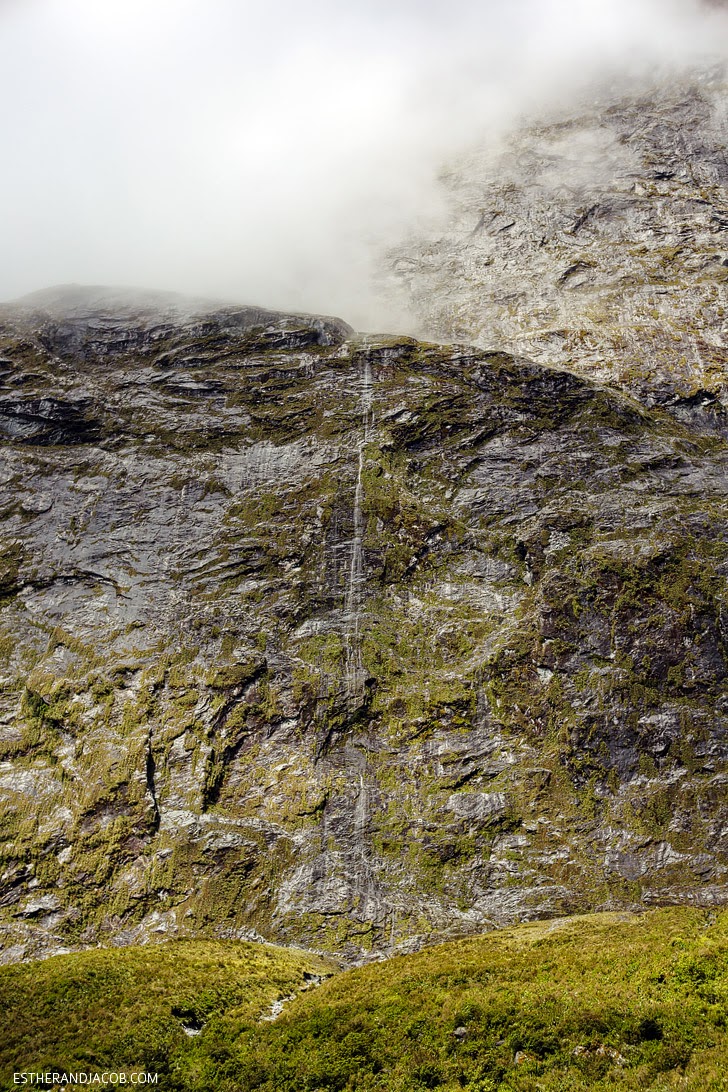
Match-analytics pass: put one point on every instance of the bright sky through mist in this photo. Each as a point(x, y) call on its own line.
point(264, 153)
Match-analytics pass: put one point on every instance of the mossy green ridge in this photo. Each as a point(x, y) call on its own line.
point(344, 641)
point(144, 1008)
point(609, 1001)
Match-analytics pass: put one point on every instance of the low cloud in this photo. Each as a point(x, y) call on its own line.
point(266, 155)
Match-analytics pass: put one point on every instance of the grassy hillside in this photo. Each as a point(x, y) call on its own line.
point(611, 1001)
point(134, 1008)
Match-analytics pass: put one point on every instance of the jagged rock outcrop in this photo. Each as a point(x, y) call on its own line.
point(344, 640)
point(595, 239)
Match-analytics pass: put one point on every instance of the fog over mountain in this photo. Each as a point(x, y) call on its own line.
point(268, 154)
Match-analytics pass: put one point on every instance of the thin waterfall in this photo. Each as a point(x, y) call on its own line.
point(354, 591)
point(356, 567)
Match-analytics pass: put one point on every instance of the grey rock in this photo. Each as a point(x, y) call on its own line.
point(348, 641)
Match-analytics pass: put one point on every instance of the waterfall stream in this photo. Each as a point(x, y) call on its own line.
point(354, 591)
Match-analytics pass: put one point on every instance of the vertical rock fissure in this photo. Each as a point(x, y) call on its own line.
point(150, 772)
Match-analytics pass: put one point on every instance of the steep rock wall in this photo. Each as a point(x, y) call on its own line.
point(344, 640)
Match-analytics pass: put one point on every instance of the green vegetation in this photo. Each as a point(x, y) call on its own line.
point(128, 1008)
point(613, 1001)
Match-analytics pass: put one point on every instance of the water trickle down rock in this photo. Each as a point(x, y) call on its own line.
point(355, 673)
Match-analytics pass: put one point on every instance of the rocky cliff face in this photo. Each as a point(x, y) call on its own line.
point(596, 240)
point(345, 640)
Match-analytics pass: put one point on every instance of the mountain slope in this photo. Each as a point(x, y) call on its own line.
point(344, 640)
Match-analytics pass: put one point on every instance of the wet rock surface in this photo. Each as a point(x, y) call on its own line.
point(344, 641)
